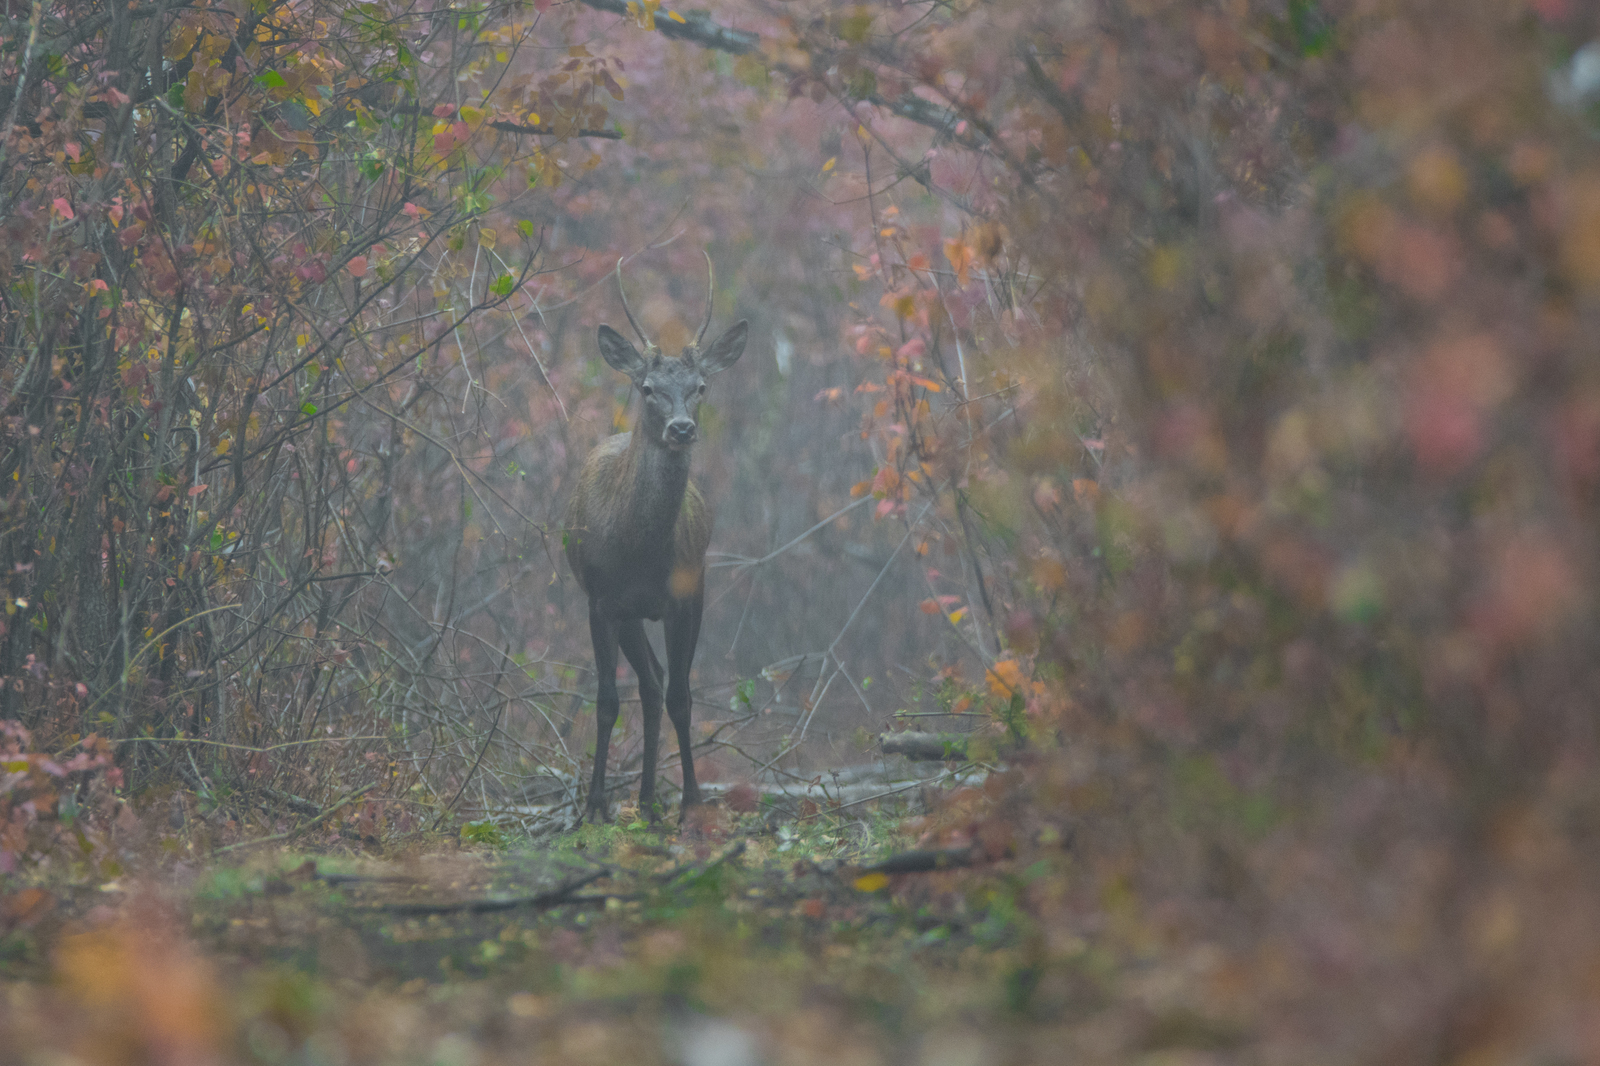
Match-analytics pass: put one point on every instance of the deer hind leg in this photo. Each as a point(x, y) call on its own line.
point(683, 633)
point(642, 657)
point(603, 632)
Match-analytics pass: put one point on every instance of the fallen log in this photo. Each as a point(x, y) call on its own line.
point(929, 747)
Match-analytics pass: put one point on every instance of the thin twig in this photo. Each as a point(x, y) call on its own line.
point(319, 819)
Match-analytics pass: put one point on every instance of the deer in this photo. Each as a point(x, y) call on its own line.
point(636, 534)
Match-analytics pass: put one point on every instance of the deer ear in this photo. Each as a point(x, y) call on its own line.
point(619, 354)
point(725, 350)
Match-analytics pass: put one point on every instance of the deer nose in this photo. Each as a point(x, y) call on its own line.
point(681, 431)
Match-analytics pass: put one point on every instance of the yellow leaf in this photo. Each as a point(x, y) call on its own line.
point(472, 116)
point(871, 882)
point(182, 42)
point(312, 104)
point(675, 17)
point(957, 615)
point(302, 340)
point(830, 163)
point(487, 237)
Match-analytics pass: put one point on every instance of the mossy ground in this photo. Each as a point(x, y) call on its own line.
point(745, 942)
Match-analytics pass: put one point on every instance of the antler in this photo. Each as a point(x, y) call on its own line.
point(711, 291)
point(628, 310)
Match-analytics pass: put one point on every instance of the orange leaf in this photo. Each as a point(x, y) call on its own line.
point(929, 606)
point(960, 257)
point(1005, 678)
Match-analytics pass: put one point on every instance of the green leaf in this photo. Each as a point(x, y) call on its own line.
point(271, 79)
point(503, 285)
point(525, 228)
point(854, 28)
point(1313, 29)
point(861, 84)
point(308, 408)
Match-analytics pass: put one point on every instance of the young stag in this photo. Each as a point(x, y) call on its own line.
point(636, 539)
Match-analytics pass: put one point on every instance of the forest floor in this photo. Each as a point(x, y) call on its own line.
point(738, 943)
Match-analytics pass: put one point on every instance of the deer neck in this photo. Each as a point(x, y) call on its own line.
point(660, 477)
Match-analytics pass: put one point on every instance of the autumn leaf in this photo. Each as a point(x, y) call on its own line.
point(960, 257)
point(1004, 678)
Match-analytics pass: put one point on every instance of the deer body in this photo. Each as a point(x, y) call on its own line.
point(631, 501)
point(636, 537)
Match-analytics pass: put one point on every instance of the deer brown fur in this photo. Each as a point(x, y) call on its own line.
point(636, 535)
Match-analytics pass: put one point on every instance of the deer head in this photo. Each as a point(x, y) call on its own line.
point(671, 387)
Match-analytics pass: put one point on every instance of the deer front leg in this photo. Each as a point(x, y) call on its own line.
point(636, 646)
point(683, 633)
point(603, 633)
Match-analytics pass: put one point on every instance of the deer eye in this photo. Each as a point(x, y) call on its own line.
point(702, 388)
point(645, 390)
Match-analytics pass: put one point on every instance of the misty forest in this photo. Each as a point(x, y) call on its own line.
point(938, 532)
